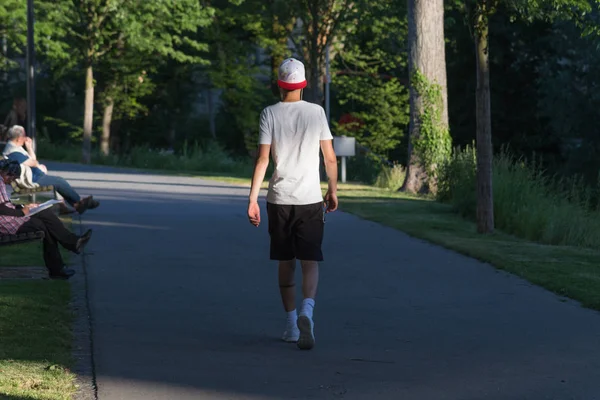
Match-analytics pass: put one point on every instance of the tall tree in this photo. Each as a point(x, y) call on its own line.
point(280, 19)
point(13, 30)
point(429, 138)
point(123, 88)
point(138, 51)
point(478, 13)
point(369, 79)
point(88, 30)
point(483, 115)
point(243, 41)
point(321, 24)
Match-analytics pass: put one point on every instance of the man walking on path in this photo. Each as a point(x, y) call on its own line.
point(293, 131)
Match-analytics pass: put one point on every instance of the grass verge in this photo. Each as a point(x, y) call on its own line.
point(21, 255)
point(35, 353)
point(566, 270)
point(35, 332)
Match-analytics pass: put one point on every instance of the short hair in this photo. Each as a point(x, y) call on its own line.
point(15, 132)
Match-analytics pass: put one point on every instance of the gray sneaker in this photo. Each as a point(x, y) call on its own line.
point(307, 334)
point(291, 333)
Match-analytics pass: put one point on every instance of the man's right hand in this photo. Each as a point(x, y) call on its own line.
point(26, 209)
point(254, 213)
point(28, 142)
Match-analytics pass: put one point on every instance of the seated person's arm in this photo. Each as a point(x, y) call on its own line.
point(31, 163)
point(23, 159)
point(12, 212)
point(29, 148)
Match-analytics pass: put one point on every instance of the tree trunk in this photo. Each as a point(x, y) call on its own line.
point(172, 134)
point(5, 54)
point(279, 32)
point(211, 114)
point(106, 122)
point(89, 116)
point(485, 200)
point(115, 136)
point(427, 56)
point(314, 92)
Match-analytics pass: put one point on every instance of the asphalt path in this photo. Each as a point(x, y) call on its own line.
point(185, 305)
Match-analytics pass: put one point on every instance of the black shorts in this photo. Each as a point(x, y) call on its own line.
point(296, 231)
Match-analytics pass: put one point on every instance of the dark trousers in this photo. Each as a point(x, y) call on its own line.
point(55, 233)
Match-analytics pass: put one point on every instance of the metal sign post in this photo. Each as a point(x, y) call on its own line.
point(344, 147)
point(327, 82)
point(31, 75)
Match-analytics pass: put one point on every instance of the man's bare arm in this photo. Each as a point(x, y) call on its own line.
point(332, 174)
point(331, 166)
point(29, 148)
point(32, 163)
point(260, 169)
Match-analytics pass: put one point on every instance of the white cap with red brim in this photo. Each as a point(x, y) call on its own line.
point(291, 75)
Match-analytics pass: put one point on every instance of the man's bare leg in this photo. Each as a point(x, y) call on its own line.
point(287, 286)
point(310, 282)
point(310, 279)
point(287, 289)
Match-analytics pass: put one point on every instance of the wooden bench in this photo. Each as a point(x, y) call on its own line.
point(19, 191)
point(31, 192)
point(6, 240)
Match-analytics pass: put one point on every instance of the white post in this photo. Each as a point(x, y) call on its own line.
point(327, 79)
point(30, 65)
point(344, 147)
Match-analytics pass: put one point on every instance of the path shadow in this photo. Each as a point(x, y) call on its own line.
point(185, 306)
point(197, 312)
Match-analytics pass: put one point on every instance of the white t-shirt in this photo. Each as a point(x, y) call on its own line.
point(294, 130)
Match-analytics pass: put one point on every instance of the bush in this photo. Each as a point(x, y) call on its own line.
point(363, 168)
point(456, 181)
point(527, 203)
point(47, 150)
point(391, 178)
point(209, 158)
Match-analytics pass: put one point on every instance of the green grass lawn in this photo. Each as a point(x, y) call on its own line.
point(26, 254)
point(569, 271)
point(35, 349)
point(35, 332)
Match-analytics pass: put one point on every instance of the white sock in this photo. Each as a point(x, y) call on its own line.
point(307, 307)
point(292, 317)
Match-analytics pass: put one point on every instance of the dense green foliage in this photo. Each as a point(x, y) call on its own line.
point(370, 99)
point(13, 18)
point(527, 202)
point(161, 62)
point(543, 68)
point(434, 143)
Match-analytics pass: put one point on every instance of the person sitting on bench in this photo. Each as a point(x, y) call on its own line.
point(14, 151)
point(14, 221)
